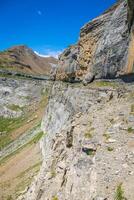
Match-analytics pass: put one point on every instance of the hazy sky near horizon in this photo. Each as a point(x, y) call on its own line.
point(47, 26)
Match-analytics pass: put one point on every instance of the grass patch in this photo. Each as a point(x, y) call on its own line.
point(130, 130)
point(14, 107)
point(44, 98)
point(9, 197)
point(31, 142)
point(36, 138)
point(111, 121)
point(22, 186)
point(26, 97)
point(55, 198)
point(119, 194)
point(7, 125)
point(105, 84)
point(44, 91)
point(35, 167)
point(88, 135)
point(110, 149)
point(106, 135)
point(52, 169)
point(132, 109)
point(53, 174)
point(22, 181)
point(49, 118)
point(90, 152)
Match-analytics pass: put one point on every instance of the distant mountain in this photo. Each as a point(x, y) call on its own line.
point(23, 59)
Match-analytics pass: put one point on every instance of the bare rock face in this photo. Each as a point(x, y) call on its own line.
point(130, 13)
point(105, 48)
point(88, 147)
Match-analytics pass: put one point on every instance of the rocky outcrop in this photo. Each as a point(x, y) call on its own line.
point(88, 147)
point(130, 13)
point(105, 48)
point(23, 59)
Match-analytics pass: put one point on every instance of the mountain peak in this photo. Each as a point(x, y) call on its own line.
point(23, 59)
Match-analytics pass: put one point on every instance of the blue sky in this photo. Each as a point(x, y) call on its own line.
point(47, 26)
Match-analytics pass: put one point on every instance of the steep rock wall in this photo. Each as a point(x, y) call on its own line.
point(87, 150)
point(104, 49)
point(130, 61)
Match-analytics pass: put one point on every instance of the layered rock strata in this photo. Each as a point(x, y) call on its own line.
point(105, 48)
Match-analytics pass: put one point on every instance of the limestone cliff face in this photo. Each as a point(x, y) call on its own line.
point(105, 48)
point(88, 147)
point(130, 13)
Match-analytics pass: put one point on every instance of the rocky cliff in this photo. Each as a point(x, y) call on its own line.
point(23, 59)
point(88, 149)
point(105, 48)
point(87, 144)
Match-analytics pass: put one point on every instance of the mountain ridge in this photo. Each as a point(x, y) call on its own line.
point(23, 59)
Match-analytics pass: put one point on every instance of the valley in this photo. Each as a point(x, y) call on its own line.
point(22, 106)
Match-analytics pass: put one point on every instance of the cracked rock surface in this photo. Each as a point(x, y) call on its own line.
point(88, 150)
point(105, 48)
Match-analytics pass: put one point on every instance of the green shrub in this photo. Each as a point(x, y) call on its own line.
point(55, 198)
point(88, 135)
point(106, 135)
point(119, 195)
point(7, 125)
point(130, 130)
point(9, 197)
point(105, 84)
point(14, 107)
point(110, 148)
point(132, 108)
